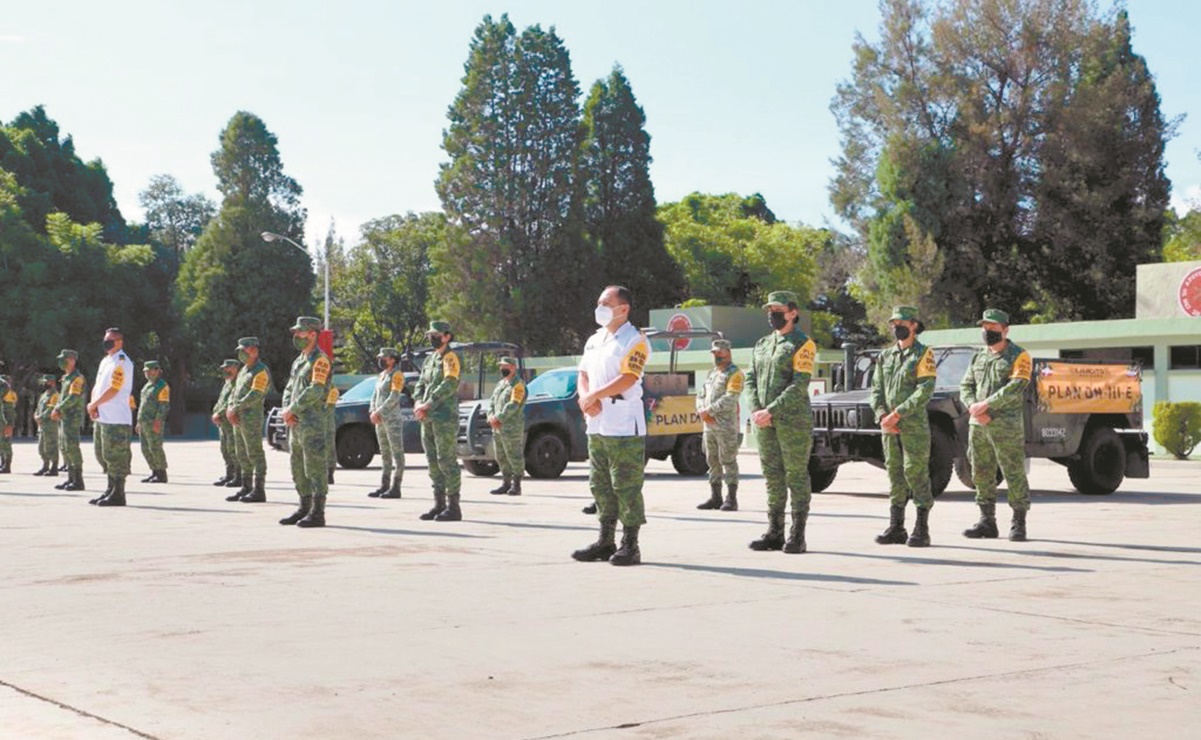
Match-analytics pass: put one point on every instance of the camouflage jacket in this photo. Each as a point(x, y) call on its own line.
point(778, 379)
point(46, 403)
point(250, 388)
point(154, 402)
point(389, 387)
point(222, 404)
point(903, 381)
point(70, 398)
point(719, 396)
point(308, 387)
point(1000, 378)
point(439, 385)
point(508, 403)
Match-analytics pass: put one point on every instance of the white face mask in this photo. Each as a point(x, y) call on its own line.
point(604, 315)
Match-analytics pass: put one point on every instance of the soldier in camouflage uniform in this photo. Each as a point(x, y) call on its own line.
point(389, 422)
point(305, 411)
point(717, 404)
point(245, 413)
point(47, 427)
point(777, 385)
point(506, 416)
point(901, 387)
point(225, 430)
point(993, 389)
point(68, 412)
point(153, 408)
point(8, 420)
point(331, 432)
point(436, 406)
point(610, 395)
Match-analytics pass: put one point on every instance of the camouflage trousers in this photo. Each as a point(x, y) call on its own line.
point(6, 444)
point(907, 460)
point(721, 452)
point(331, 446)
point(48, 442)
point(229, 454)
point(438, 437)
point(309, 458)
point(111, 443)
point(248, 443)
point(390, 434)
point(68, 439)
point(152, 445)
point(615, 474)
point(1002, 444)
point(784, 457)
point(510, 450)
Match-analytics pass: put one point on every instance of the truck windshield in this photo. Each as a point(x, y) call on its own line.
point(952, 364)
point(554, 384)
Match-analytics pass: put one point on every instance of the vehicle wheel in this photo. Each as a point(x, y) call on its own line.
point(356, 447)
point(482, 468)
point(963, 471)
point(942, 458)
point(1101, 464)
point(545, 455)
point(821, 476)
point(688, 458)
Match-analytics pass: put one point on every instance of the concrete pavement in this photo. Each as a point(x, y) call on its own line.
point(183, 616)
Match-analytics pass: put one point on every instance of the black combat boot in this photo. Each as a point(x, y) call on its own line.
point(394, 490)
point(229, 475)
point(330, 477)
point(986, 528)
point(439, 505)
point(152, 478)
point(117, 497)
point(503, 488)
point(451, 513)
point(161, 476)
point(603, 548)
point(246, 483)
point(70, 479)
point(731, 502)
point(590, 508)
point(237, 480)
point(796, 534)
point(628, 553)
point(316, 515)
point(895, 534)
point(53, 472)
point(45, 469)
point(1017, 530)
point(773, 538)
point(6, 465)
point(74, 480)
point(921, 529)
point(306, 503)
point(383, 486)
point(515, 489)
point(107, 492)
point(714, 500)
point(258, 494)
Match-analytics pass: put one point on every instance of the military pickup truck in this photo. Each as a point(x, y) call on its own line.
point(1084, 415)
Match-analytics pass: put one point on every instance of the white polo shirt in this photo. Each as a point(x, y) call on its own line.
point(115, 371)
point(607, 356)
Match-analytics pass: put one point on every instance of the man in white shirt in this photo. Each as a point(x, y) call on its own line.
point(610, 395)
point(113, 416)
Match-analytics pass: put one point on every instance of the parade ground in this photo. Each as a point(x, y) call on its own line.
point(183, 616)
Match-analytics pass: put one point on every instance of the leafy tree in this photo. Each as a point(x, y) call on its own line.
point(620, 205)
point(731, 255)
point(232, 283)
point(1182, 237)
point(174, 219)
point(838, 316)
point(1022, 136)
point(511, 185)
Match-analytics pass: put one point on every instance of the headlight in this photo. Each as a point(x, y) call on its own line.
point(853, 419)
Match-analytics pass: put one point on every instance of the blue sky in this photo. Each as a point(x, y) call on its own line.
point(736, 94)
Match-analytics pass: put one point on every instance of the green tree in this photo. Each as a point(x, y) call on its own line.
point(174, 219)
point(232, 283)
point(620, 205)
point(1182, 236)
point(511, 186)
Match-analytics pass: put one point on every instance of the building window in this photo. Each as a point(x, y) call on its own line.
point(1186, 358)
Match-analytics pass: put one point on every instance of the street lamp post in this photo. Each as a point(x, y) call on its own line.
point(269, 236)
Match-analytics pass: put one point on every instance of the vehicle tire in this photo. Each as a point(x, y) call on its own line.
point(963, 471)
point(356, 447)
point(821, 476)
point(545, 455)
point(1101, 463)
point(482, 468)
point(688, 458)
point(942, 458)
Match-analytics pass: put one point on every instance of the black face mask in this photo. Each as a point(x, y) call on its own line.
point(382, 362)
point(992, 337)
point(777, 320)
point(900, 332)
point(436, 342)
point(505, 373)
point(109, 344)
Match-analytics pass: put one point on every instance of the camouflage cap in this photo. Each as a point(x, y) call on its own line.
point(720, 345)
point(780, 298)
point(508, 361)
point(64, 354)
point(247, 342)
point(151, 365)
point(231, 363)
point(439, 327)
point(306, 323)
point(994, 316)
point(388, 352)
point(907, 313)
point(49, 377)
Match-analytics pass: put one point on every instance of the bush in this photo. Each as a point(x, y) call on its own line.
point(1177, 427)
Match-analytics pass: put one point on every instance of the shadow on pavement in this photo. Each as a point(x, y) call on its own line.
point(1120, 546)
point(187, 508)
point(960, 563)
point(419, 533)
point(1075, 556)
point(783, 575)
point(43, 495)
point(530, 525)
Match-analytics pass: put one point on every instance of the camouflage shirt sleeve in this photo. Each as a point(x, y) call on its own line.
point(792, 397)
point(879, 403)
point(727, 400)
point(967, 386)
point(446, 391)
point(1010, 395)
point(915, 403)
point(512, 407)
point(395, 390)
